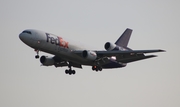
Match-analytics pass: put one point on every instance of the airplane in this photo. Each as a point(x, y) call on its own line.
point(69, 54)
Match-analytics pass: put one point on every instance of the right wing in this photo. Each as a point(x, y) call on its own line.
point(129, 52)
point(128, 56)
point(124, 56)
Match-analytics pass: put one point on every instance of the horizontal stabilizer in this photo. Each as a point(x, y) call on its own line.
point(132, 59)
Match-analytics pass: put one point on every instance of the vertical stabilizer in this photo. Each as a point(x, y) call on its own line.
point(124, 38)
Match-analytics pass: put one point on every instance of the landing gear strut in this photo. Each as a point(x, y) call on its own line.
point(70, 71)
point(96, 68)
point(37, 56)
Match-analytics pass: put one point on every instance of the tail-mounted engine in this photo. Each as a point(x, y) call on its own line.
point(113, 47)
point(110, 46)
point(47, 61)
point(90, 55)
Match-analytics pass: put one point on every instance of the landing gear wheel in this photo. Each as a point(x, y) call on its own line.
point(37, 56)
point(73, 72)
point(96, 68)
point(100, 69)
point(37, 51)
point(66, 71)
point(70, 71)
point(93, 68)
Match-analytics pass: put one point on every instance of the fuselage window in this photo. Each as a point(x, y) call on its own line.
point(26, 32)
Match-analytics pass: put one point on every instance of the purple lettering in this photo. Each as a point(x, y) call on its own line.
point(52, 40)
point(48, 38)
point(57, 41)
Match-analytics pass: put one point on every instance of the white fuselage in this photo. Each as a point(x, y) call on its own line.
point(53, 44)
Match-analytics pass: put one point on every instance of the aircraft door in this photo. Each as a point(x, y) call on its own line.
point(39, 40)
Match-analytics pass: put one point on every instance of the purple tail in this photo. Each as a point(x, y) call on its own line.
point(124, 38)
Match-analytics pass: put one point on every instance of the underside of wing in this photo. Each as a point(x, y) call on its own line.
point(60, 63)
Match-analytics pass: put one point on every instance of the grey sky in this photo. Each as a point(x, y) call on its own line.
point(149, 83)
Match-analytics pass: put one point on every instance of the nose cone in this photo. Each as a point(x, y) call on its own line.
point(21, 36)
point(26, 37)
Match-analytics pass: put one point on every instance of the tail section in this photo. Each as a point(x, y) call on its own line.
point(124, 38)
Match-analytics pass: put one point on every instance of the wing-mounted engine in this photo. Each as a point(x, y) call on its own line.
point(110, 46)
point(90, 55)
point(47, 61)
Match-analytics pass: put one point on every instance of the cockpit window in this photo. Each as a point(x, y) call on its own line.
point(26, 32)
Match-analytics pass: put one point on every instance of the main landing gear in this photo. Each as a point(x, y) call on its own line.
point(96, 68)
point(37, 51)
point(70, 71)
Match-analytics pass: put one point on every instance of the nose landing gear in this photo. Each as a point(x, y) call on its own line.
point(37, 56)
point(37, 51)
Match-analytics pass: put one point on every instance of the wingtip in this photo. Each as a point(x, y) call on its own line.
point(161, 50)
point(154, 55)
point(150, 56)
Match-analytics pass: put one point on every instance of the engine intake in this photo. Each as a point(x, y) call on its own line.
point(110, 46)
point(47, 61)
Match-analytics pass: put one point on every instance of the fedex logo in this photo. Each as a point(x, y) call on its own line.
point(56, 40)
